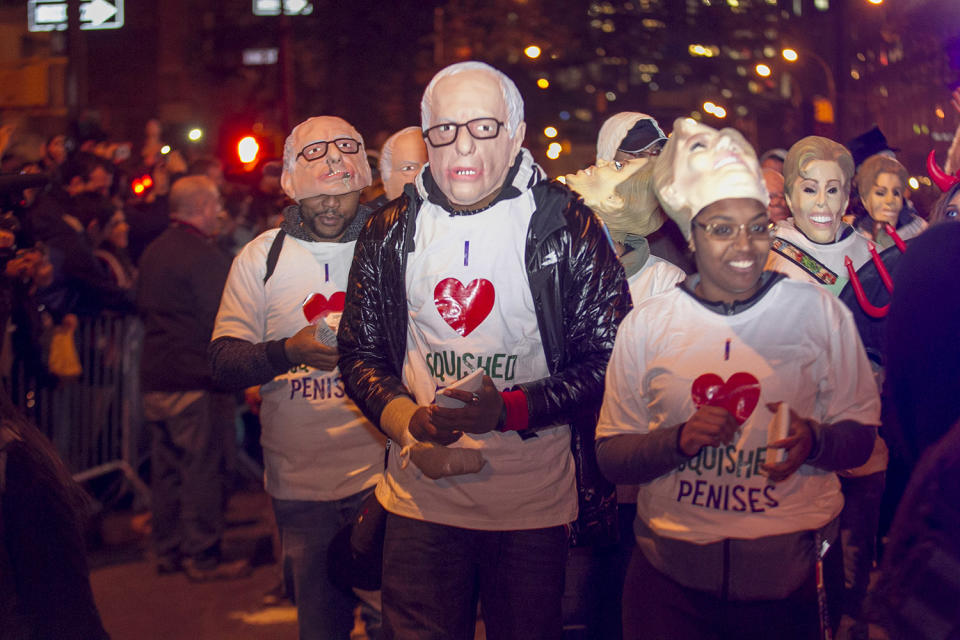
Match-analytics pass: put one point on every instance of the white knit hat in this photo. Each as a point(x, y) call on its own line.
point(616, 128)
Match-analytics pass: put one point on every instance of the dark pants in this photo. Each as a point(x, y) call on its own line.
point(594, 584)
point(324, 612)
point(656, 607)
point(188, 430)
point(859, 522)
point(433, 576)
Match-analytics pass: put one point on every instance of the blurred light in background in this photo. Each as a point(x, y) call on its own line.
point(247, 149)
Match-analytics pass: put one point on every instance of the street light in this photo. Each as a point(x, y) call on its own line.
point(762, 70)
point(532, 52)
point(791, 55)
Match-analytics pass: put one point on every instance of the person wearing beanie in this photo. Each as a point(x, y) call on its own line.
point(732, 410)
point(629, 136)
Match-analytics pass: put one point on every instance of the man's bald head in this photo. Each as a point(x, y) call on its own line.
point(195, 200)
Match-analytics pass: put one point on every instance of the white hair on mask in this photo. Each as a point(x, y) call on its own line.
point(289, 145)
point(511, 95)
point(386, 152)
point(614, 130)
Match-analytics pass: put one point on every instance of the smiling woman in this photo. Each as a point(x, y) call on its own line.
point(743, 409)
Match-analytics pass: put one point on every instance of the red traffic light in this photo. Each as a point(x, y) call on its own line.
point(248, 149)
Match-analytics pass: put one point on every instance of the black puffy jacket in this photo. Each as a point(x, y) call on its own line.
point(580, 295)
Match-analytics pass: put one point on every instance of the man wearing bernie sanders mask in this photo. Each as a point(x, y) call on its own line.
point(277, 328)
point(483, 268)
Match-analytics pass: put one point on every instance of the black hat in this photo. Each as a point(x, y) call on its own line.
point(868, 144)
point(643, 134)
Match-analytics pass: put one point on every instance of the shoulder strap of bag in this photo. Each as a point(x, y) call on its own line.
point(274, 254)
point(804, 260)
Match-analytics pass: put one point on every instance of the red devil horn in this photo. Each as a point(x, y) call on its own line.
point(940, 177)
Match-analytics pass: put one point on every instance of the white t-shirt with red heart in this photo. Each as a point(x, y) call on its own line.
point(797, 344)
point(469, 305)
point(317, 445)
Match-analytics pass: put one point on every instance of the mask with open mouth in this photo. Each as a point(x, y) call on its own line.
point(336, 171)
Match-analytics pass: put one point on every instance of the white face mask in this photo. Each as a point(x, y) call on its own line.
point(818, 199)
point(712, 161)
point(336, 170)
point(708, 166)
point(469, 170)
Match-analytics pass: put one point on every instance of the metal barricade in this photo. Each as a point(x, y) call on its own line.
point(94, 421)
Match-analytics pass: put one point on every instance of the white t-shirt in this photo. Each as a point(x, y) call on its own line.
point(472, 268)
point(317, 445)
point(800, 345)
point(830, 255)
point(656, 276)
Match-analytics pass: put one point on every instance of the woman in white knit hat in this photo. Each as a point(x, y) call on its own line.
point(731, 400)
point(631, 139)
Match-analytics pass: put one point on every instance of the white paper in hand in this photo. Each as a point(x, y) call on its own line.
point(778, 429)
point(324, 334)
point(471, 384)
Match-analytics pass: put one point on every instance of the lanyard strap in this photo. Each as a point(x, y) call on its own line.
point(804, 260)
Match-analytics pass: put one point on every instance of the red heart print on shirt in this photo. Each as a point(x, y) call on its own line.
point(464, 307)
point(738, 395)
point(317, 304)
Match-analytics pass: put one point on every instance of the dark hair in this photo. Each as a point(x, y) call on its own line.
point(922, 352)
point(49, 467)
point(939, 211)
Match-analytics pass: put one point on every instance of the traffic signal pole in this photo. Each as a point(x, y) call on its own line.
point(76, 60)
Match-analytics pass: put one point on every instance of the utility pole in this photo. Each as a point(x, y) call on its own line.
point(76, 60)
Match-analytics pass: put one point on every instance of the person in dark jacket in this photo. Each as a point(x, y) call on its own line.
point(481, 265)
point(182, 274)
point(59, 219)
point(918, 591)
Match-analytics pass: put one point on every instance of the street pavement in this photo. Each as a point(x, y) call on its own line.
point(137, 604)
